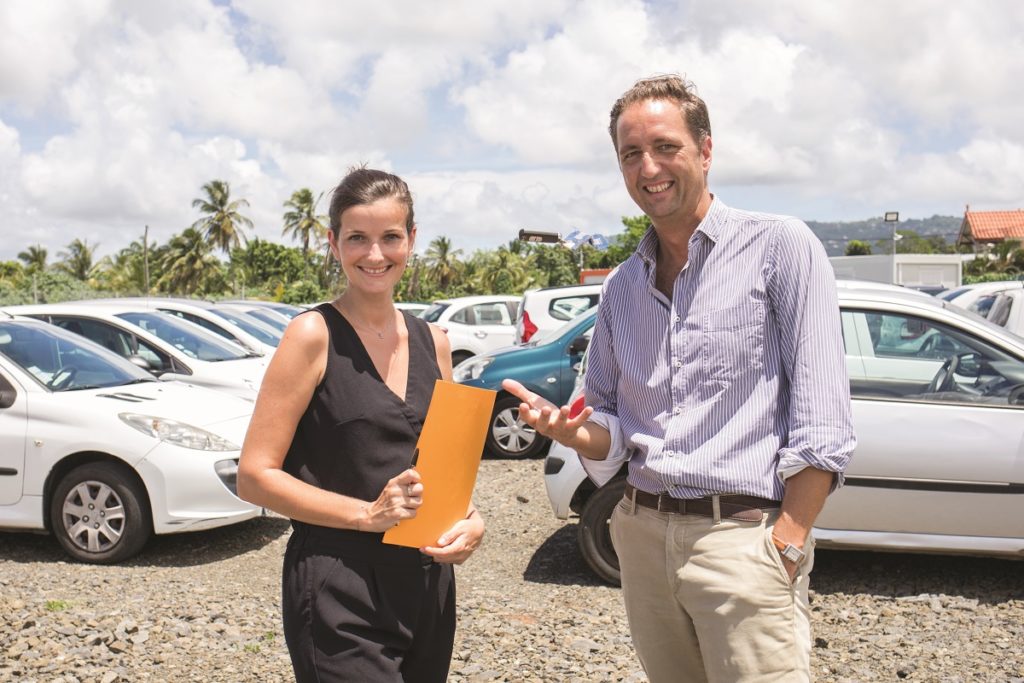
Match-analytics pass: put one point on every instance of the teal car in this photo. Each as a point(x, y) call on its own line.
point(547, 366)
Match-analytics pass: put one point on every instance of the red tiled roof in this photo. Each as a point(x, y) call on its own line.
point(995, 225)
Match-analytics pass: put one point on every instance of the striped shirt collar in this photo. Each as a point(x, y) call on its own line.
point(713, 225)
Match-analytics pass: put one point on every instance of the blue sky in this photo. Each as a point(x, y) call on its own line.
point(114, 113)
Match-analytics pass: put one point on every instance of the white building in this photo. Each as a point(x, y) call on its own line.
point(906, 269)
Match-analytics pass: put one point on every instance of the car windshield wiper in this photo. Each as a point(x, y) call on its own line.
point(80, 387)
point(140, 380)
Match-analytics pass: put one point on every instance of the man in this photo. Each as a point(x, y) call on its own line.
point(716, 369)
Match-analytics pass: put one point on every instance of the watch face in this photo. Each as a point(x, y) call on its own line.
point(793, 554)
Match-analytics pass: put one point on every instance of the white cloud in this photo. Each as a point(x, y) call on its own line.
point(113, 113)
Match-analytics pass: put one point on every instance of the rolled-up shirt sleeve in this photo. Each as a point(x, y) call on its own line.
point(802, 292)
point(600, 393)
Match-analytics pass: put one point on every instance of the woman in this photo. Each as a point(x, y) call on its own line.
point(329, 446)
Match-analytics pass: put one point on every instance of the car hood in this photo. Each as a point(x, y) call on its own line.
point(186, 403)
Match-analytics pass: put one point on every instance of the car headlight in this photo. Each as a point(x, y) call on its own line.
point(178, 433)
point(471, 368)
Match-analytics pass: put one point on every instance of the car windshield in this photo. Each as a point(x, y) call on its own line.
point(190, 339)
point(63, 361)
point(433, 314)
point(266, 334)
point(557, 333)
point(268, 316)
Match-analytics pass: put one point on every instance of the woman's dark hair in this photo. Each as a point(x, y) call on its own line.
point(364, 186)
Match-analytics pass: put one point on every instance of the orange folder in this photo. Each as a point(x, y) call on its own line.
point(449, 447)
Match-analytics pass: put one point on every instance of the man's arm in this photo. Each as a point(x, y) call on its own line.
point(589, 439)
point(802, 292)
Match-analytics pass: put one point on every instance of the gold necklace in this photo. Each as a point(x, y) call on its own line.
point(380, 333)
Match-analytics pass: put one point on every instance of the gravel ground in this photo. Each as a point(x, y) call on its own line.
point(204, 607)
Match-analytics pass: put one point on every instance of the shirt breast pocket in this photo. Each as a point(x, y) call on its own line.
point(733, 344)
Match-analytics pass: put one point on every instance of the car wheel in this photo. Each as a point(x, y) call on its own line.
point(99, 514)
point(459, 356)
point(510, 437)
point(594, 534)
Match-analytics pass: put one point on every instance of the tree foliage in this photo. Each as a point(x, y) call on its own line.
point(221, 221)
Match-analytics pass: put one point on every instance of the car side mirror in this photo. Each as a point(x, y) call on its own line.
point(141, 362)
point(969, 365)
point(7, 393)
point(578, 345)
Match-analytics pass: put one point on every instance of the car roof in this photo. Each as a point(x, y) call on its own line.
point(478, 298)
point(79, 308)
point(151, 301)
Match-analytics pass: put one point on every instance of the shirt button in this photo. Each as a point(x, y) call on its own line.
point(677, 410)
point(676, 319)
point(677, 363)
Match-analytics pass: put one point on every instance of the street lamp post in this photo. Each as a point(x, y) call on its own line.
point(894, 218)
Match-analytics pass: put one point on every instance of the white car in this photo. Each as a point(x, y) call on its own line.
point(99, 453)
point(232, 324)
point(1000, 302)
point(170, 348)
point(938, 406)
point(412, 307)
point(547, 309)
point(475, 324)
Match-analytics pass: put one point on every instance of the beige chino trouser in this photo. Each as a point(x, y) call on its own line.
point(711, 602)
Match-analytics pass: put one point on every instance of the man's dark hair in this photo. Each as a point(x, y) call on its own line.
point(672, 88)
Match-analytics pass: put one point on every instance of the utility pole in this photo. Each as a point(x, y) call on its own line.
point(145, 257)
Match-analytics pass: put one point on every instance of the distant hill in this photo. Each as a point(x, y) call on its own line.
point(835, 235)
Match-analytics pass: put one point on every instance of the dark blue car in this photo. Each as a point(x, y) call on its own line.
point(547, 366)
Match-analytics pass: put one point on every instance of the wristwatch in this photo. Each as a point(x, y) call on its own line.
point(789, 551)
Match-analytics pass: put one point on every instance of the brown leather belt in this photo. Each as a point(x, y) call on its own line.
point(743, 508)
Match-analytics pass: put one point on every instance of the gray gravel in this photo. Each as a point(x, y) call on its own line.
point(204, 607)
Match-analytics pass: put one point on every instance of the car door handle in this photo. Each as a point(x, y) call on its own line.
point(480, 334)
point(551, 380)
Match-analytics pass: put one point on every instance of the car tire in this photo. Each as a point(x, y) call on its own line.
point(594, 533)
point(510, 437)
point(100, 514)
point(459, 356)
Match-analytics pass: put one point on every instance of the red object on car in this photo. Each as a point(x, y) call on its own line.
point(529, 329)
point(577, 407)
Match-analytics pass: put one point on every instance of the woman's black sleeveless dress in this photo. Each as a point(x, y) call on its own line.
point(355, 608)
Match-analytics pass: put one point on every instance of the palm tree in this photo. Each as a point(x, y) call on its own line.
point(34, 257)
point(188, 263)
point(221, 223)
point(77, 260)
point(442, 262)
point(505, 273)
point(301, 219)
point(124, 272)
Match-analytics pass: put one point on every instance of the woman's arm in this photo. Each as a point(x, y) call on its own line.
point(295, 371)
point(443, 349)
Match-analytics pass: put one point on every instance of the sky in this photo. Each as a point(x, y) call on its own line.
point(114, 113)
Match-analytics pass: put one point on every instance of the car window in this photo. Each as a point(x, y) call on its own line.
point(115, 339)
point(563, 329)
point(64, 362)
point(460, 316)
point(496, 313)
point(276, 321)
point(196, 320)
point(433, 314)
point(568, 307)
point(982, 305)
point(260, 330)
point(192, 340)
point(1000, 311)
point(909, 358)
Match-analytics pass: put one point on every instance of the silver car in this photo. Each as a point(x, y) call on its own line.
point(938, 405)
